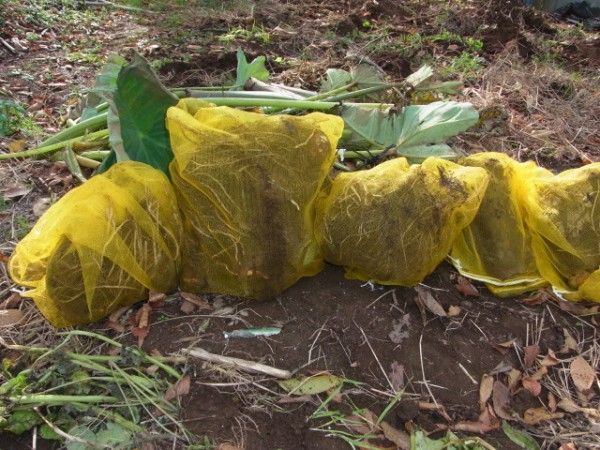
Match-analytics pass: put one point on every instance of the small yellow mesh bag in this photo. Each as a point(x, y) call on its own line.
point(102, 246)
point(496, 247)
point(246, 185)
point(395, 223)
point(564, 216)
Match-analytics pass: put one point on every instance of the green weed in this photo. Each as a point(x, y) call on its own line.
point(254, 33)
point(467, 64)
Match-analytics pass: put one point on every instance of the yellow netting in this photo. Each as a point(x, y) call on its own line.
point(246, 185)
point(395, 223)
point(496, 246)
point(564, 217)
point(102, 246)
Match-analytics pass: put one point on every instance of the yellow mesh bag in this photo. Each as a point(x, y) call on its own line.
point(102, 246)
point(564, 217)
point(395, 223)
point(496, 247)
point(246, 186)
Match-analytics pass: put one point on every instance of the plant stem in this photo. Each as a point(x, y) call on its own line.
point(56, 146)
point(51, 399)
point(92, 124)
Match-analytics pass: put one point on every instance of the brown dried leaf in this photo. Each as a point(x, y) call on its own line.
point(532, 385)
point(551, 402)
point(570, 344)
point(466, 288)
point(501, 400)
point(397, 376)
point(433, 407)
point(540, 297)
point(115, 326)
point(10, 317)
point(582, 374)
point(540, 373)
point(180, 388)
point(567, 446)
point(17, 191)
point(485, 390)
point(116, 315)
point(17, 146)
point(156, 298)
point(531, 353)
point(487, 422)
point(429, 301)
point(514, 376)
point(454, 310)
point(11, 302)
point(550, 359)
point(504, 347)
point(297, 399)
point(187, 307)
point(41, 205)
point(398, 437)
point(577, 308)
point(533, 416)
point(200, 302)
point(228, 446)
point(571, 407)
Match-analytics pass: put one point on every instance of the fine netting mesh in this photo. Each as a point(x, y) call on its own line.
point(496, 246)
point(246, 185)
point(395, 223)
point(102, 246)
point(564, 217)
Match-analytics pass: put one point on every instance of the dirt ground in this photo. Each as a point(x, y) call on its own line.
point(538, 90)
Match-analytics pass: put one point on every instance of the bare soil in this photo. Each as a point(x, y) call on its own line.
point(377, 336)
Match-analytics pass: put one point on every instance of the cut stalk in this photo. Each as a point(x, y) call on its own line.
point(54, 147)
point(51, 399)
point(92, 124)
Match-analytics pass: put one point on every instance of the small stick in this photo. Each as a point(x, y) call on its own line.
point(377, 359)
point(8, 46)
point(239, 363)
point(467, 374)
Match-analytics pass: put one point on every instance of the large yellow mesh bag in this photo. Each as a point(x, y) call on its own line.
point(564, 216)
point(496, 247)
point(246, 185)
point(102, 246)
point(395, 223)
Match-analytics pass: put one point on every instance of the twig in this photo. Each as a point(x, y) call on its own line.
point(423, 371)
point(239, 363)
point(8, 46)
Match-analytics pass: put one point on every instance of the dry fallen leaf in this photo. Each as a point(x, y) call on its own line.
point(533, 416)
point(17, 191)
point(531, 353)
point(571, 407)
point(200, 302)
point(434, 407)
point(582, 374)
point(487, 422)
point(504, 347)
point(155, 298)
point(568, 446)
point(485, 390)
point(11, 302)
point(425, 297)
point(41, 205)
point(514, 376)
point(532, 385)
point(577, 308)
point(115, 326)
point(141, 323)
point(187, 307)
point(179, 389)
point(541, 296)
point(454, 310)
point(10, 317)
point(466, 288)
point(228, 446)
point(17, 146)
point(397, 376)
point(570, 344)
point(501, 400)
point(551, 402)
point(398, 437)
point(550, 359)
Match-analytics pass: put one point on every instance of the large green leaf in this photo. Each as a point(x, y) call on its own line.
point(142, 102)
point(105, 86)
point(245, 71)
point(522, 439)
point(364, 75)
point(413, 131)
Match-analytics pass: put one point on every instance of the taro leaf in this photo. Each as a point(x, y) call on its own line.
point(336, 78)
point(310, 385)
point(418, 77)
point(142, 102)
point(447, 87)
point(419, 153)
point(45, 432)
point(519, 437)
point(414, 130)
point(106, 84)
point(20, 421)
point(245, 71)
